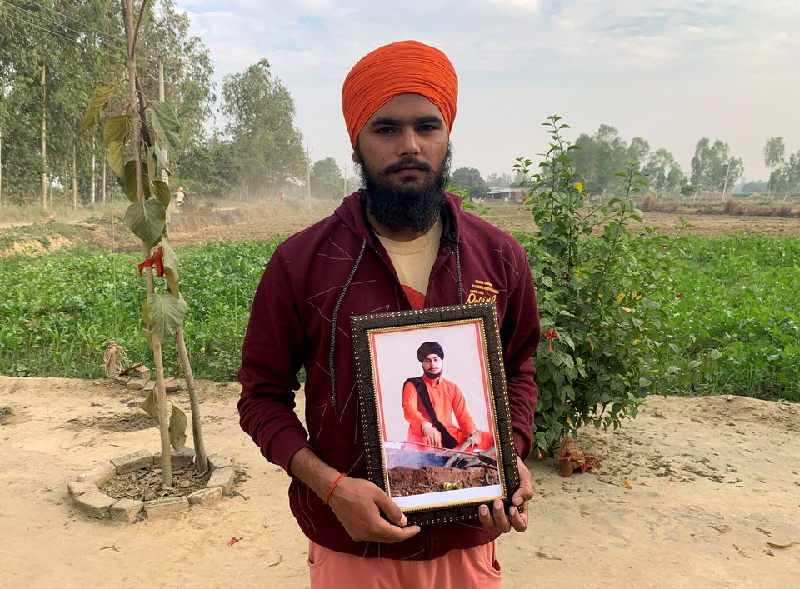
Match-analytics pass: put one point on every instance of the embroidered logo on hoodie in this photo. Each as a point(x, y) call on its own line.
point(482, 292)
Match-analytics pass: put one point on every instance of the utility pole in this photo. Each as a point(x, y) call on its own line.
point(164, 175)
point(308, 179)
point(725, 186)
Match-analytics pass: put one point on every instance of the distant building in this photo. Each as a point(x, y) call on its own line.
point(507, 194)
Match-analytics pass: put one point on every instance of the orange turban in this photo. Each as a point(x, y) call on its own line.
point(398, 68)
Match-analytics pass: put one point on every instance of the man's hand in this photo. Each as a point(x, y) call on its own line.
point(517, 516)
point(433, 437)
point(358, 504)
point(475, 438)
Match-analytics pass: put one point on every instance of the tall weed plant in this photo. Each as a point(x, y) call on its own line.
point(601, 308)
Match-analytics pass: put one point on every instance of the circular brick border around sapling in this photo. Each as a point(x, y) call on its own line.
point(90, 500)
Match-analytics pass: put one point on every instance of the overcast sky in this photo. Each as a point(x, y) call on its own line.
point(671, 71)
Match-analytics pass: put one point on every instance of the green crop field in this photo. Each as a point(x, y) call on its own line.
point(734, 325)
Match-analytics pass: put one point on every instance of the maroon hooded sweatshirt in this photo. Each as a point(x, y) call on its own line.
point(314, 282)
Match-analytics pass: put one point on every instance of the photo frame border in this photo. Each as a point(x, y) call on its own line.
point(486, 313)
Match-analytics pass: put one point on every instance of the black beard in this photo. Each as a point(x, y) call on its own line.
point(431, 375)
point(406, 207)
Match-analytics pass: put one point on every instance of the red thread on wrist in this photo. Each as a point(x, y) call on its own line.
point(333, 486)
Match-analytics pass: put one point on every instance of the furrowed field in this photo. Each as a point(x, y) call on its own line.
point(733, 324)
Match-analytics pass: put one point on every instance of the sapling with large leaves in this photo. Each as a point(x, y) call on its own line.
point(141, 131)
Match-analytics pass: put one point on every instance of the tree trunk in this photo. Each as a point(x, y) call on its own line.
point(91, 175)
point(44, 138)
point(103, 176)
point(161, 394)
point(725, 186)
point(201, 458)
point(1, 165)
point(74, 177)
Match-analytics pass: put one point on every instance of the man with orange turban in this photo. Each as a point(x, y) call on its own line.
point(401, 242)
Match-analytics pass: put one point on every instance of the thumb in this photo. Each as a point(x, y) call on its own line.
point(391, 509)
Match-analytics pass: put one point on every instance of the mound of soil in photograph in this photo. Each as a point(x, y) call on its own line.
point(405, 481)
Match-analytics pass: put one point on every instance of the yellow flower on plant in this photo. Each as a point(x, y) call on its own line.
point(626, 309)
point(636, 341)
point(579, 186)
point(620, 297)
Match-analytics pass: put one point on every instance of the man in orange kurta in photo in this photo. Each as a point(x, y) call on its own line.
point(430, 403)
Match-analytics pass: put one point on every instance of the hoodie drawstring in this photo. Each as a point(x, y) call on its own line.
point(458, 276)
point(334, 318)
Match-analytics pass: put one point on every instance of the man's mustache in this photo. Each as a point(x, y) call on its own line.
point(407, 163)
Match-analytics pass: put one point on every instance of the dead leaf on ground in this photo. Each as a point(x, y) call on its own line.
point(776, 545)
point(571, 457)
point(541, 554)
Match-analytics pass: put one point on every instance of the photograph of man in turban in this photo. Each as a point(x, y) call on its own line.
point(435, 407)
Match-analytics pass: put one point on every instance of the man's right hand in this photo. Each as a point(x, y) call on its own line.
point(433, 437)
point(358, 504)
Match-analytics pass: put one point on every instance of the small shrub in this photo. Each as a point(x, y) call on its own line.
point(599, 301)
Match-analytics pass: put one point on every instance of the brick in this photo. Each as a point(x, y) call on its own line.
point(151, 384)
point(141, 371)
point(206, 497)
point(222, 477)
point(136, 384)
point(99, 475)
point(216, 461)
point(126, 510)
point(94, 504)
point(79, 488)
point(133, 461)
point(180, 459)
point(122, 379)
point(167, 506)
point(171, 385)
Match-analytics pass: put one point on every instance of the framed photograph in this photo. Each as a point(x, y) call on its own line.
point(434, 410)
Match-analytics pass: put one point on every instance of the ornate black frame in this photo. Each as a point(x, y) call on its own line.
point(486, 314)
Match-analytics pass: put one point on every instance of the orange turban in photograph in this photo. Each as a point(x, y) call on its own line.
point(398, 68)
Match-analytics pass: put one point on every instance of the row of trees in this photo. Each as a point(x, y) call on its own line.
point(53, 54)
point(713, 168)
point(784, 175)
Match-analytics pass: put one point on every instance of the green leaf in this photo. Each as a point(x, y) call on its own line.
point(158, 160)
point(165, 124)
point(116, 134)
point(97, 104)
point(177, 428)
point(166, 314)
point(161, 190)
point(150, 405)
point(170, 261)
point(128, 181)
point(146, 220)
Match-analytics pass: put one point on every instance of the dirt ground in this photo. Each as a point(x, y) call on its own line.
point(253, 221)
point(696, 492)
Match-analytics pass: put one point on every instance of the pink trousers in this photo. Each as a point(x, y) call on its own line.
point(473, 568)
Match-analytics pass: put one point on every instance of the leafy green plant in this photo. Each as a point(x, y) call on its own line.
point(599, 301)
point(145, 129)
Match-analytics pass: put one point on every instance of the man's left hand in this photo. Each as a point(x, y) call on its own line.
point(517, 516)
